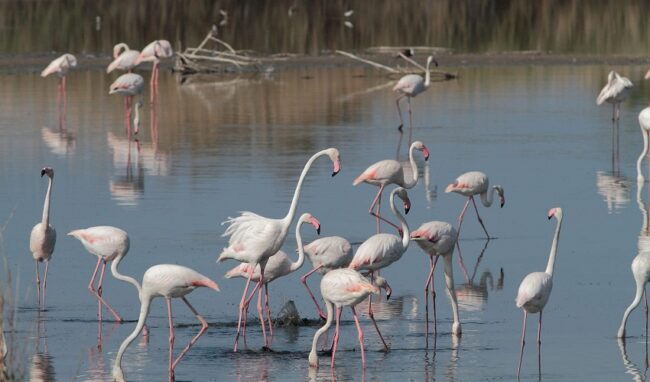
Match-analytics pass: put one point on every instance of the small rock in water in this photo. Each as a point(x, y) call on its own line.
point(288, 315)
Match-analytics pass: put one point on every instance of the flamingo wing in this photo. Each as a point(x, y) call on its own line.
point(387, 170)
point(378, 251)
point(534, 291)
point(409, 84)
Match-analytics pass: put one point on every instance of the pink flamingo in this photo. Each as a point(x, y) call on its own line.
point(437, 239)
point(129, 85)
point(168, 281)
point(123, 58)
point(61, 66)
point(326, 254)
point(343, 287)
point(535, 289)
point(383, 249)
point(475, 183)
point(43, 238)
point(254, 238)
point(410, 86)
point(153, 53)
point(387, 172)
point(615, 91)
point(108, 244)
point(279, 265)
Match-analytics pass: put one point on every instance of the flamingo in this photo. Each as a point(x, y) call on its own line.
point(343, 287)
point(615, 91)
point(410, 86)
point(383, 249)
point(43, 238)
point(129, 85)
point(535, 289)
point(438, 238)
point(154, 52)
point(168, 281)
point(475, 183)
point(279, 265)
point(255, 238)
point(108, 244)
point(389, 171)
point(326, 254)
point(644, 123)
point(123, 58)
point(61, 66)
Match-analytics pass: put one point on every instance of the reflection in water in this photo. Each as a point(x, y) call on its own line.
point(450, 372)
point(41, 366)
point(473, 297)
point(614, 188)
point(630, 367)
point(61, 142)
point(384, 309)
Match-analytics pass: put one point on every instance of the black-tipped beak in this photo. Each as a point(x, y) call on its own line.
point(407, 209)
point(43, 172)
point(334, 174)
point(549, 217)
point(318, 230)
point(435, 62)
point(389, 292)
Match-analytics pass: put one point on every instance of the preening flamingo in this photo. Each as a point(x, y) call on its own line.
point(475, 183)
point(341, 288)
point(387, 172)
point(61, 66)
point(255, 238)
point(168, 281)
point(325, 254)
point(129, 85)
point(279, 265)
point(410, 86)
point(438, 238)
point(615, 91)
point(43, 238)
point(153, 53)
point(535, 289)
point(383, 249)
point(123, 58)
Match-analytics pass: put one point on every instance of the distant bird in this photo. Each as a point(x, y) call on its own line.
point(129, 85)
point(43, 238)
point(475, 183)
point(382, 249)
point(326, 254)
point(410, 86)
point(168, 281)
point(123, 58)
point(153, 52)
point(616, 91)
point(535, 289)
point(108, 244)
point(390, 171)
point(438, 238)
point(408, 52)
point(61, 66)
point(341, 288)
point(644, 123)
point(254, 238)
point(279, 265)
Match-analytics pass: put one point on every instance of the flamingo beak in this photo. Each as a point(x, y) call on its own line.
point(425, 151)
point(337, 166)
point(389, 291)
point(407, 206)
point(316, 224)
point(43, 172)
point(503, 201)
point(551, 213)
point(435, 62)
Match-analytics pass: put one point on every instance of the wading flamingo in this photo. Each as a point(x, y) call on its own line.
point(438, 238)
point(383, 249)
point(255, 238)
point(410, 86)
point(129, 85)
point(43, 238)
point(279, 265)
point(343, 287)
point(123, 58)
point(168, 281)
point(475, 183)
point(61, 66)
point(535, 289)
point(387, 172)
point(644, 123)
point(326, 254)
point(153, 53)
point(615, 91)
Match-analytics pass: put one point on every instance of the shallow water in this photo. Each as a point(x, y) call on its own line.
point(239, 143)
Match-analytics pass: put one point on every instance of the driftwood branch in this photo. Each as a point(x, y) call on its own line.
point(372, 63)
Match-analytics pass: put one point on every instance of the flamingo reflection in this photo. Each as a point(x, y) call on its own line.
point(473, 297)
point(61, 142)
point(630, 367)
point(41, 368)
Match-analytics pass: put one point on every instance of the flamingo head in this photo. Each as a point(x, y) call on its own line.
point(70, 60)
point(430, 60)
point(382, 283)
point(335, 156)
point(422, 234)
point(309, 218)
point(420, 146)
point(647, 75)
point(162, 49)
point(556, 211)
point(119, 48)
point(49, 171)
point(502, 195)
point(402, 194)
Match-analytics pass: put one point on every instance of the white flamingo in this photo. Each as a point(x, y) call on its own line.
point(615, 91)
point(644, 123)
point(410, 86)
point(153, 52)
point(129, 85)
point(123, 58)
point(43, 238)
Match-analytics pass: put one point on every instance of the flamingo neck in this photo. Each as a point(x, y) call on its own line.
point(406, 234)
point(136, 120)
point(642, 207)
point(427, 76)
point(414, 168)
point(449, 279)
point(46, 206)
point(119, 48)
point(313, 357)
point(296, 195)
point(301, 253)
point(122, 277)
point(488, 197)
point(556, 238)
point(144, 311)
point(639, 174)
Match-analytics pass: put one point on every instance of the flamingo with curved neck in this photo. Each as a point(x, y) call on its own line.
point(410, 86)
point(43, 238)
point(124, 58)
point(644, 124)
point(254, 238)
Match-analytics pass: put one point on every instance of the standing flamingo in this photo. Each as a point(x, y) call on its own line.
point(168, 281)
point(410, 86)
point(129, 85)
point(154, 52)
point(61, 66)
point(475, 183)
point(326, 254)
point(644, 123)
point(383, 249)
point(390, 171)
point(438, 238)
point(279, 265)
point(43, 238)
point(343, 287)
point(615, 91)
point(255, 238)
point(108, 244)
point(535, 289)
point(123, 58)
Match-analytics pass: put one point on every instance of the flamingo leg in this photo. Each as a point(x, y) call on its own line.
point(372, 317)
point(356, 322)
point(461, 262)
point(645, 295)
point(479, 218)
point(539, 344)
point(99, 295)
point(268, 312)
point(59, 95)
point(242, 305)
point(377, 202)
point(399, 112)
point(433, 297)
point(47, 265)
point(523, 342)
point(426, 301)
point(171, 338)
point(38, 285)
point(408, 100)
point(65, 96)
point(91, 288)
point(204, 327)
point(462, 215)
point(303, 280)
point(613, 112)
point(336, 335)
point(260, 312)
